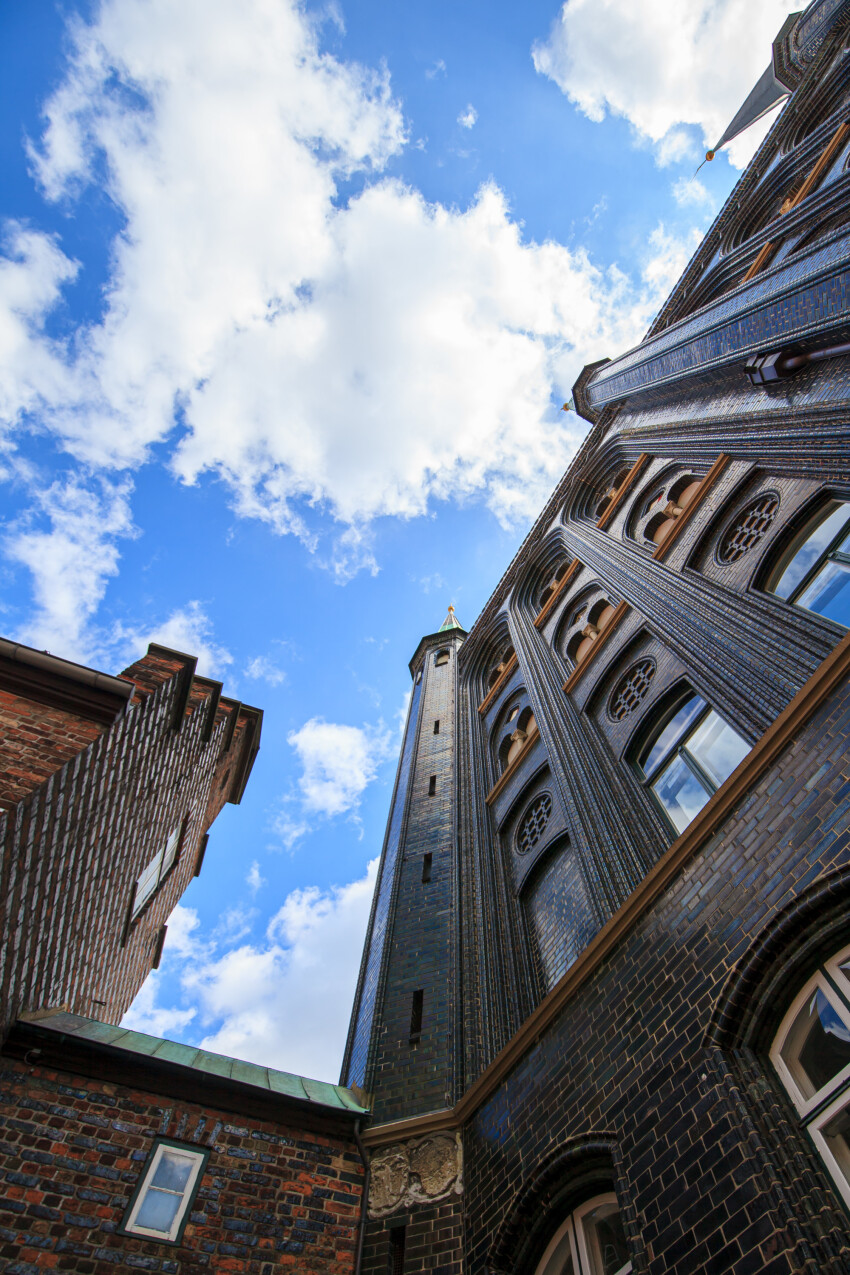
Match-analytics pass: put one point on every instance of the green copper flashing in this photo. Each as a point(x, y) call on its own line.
point(450, 622)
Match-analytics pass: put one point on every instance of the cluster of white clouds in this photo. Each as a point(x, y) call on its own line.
point(662, 65)
point(346, 359)
point(283, 1001)
point(337, 764)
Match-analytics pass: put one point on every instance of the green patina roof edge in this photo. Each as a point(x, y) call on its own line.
point(318, 1093)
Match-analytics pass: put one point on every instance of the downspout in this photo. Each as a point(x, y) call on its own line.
point(364, 1203)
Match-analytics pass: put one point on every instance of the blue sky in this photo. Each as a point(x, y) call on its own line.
point(290, 299)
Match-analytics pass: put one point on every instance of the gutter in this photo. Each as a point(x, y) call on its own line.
point(46, 663)
point(364, 1203)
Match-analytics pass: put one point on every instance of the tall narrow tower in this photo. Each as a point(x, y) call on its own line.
point(402, 1045)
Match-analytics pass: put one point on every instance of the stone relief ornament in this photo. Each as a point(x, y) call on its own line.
point(421, 1171)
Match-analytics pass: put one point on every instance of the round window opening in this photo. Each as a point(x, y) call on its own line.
point(747, 528)
point(631, 689)
point(533, 823)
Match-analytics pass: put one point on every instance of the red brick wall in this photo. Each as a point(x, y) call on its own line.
point(74, 848)
point(272, 1197)
point(35, 740)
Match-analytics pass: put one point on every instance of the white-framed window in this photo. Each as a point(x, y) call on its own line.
point(811, 1054)
point(590, 1242)
point(165, 1191)
point(160, 865)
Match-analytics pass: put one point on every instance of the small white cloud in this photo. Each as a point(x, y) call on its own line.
point(261, 669)
point(253, 880)
point(689, 192)
point(144, 1015)
point(676, 144)
point(337, 763)
point(468, 118)
point(188, 629)
point(439, 68)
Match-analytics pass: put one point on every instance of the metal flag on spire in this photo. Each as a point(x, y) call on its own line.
point(451, 621)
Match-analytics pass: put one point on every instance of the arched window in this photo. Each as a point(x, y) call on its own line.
point(815, 570)
point(686, 758)
point(514, 743)
point(584, 625)
point(811, 1053)
point(498, 668)
point(442, 657)
point(590, 1242)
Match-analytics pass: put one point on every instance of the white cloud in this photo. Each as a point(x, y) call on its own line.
point(662, 65)
point(337, 763)
point(689, 192)
point(439, 68)
point(261, 669)
point(283, 1002)
point(253, 880)
point(287, 1004)
point(468, 118)
point(328, 360)
point(188, 629)
point(71, 560)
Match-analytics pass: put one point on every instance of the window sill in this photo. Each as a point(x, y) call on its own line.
point(506, 775)
point(550, 603)
point(593, 654)
point(494, 690)
point(688, 514)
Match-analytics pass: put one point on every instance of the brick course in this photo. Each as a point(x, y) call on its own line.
point(272, 1197)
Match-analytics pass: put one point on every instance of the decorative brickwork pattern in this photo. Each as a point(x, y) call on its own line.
point(748, 528)
point(533, 823)
point(272, 1198)
point(630, 693)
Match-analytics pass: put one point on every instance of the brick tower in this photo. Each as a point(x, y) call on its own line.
point(403, 1040)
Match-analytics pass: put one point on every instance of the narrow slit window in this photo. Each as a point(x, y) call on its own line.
point(398, 1236)
point(426, 867)
point(416, 1015)
point(432, 786)
point(437, 726)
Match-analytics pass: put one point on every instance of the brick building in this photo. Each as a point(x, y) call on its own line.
point(603, 1017)
point(602, 1023)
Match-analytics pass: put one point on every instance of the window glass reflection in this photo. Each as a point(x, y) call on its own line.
point(717, 747)
point(607, 1249)
point(829, 593)
point(672, 732)
point(836, 1135)
point(817, 1047)
point(680, 792)
point(816, 544)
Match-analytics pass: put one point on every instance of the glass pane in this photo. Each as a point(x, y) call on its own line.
point(672, 733)
point(809, 552)
point(829, 593)
point(836, 1133)
point(717, 747)
point(680, 793)
point(606, 1241)
point(817, 1047)
point(147, 882)
point(173, 1171)
point(159, 1210)
point(171, 849)
point(560, 1262)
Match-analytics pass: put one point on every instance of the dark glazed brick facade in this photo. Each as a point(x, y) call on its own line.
point(433, 1242)
point(74, 847)
point(711, 1185)
point(411, 1077)
point(272, 1197)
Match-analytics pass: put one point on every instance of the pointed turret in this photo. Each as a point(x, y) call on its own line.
point(451, 622)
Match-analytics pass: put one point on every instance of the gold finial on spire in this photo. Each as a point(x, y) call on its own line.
point(450, 622)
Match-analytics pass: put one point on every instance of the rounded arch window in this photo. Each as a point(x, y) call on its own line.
point(688, 752)
point(811, 1054)
point(442, 657)
point(533, 823)
point(661, 505)
point(591, 1241)
point(814, 571)
point(498, 667)
point(747, 528)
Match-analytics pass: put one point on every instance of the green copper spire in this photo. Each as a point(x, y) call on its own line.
point(450, 622)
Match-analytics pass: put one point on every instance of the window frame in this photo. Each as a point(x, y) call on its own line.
point(190, 1191)
point(814, 518)
point(649, 732)
point(164, 870)
point(833, 1097)
point(573, 1226)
